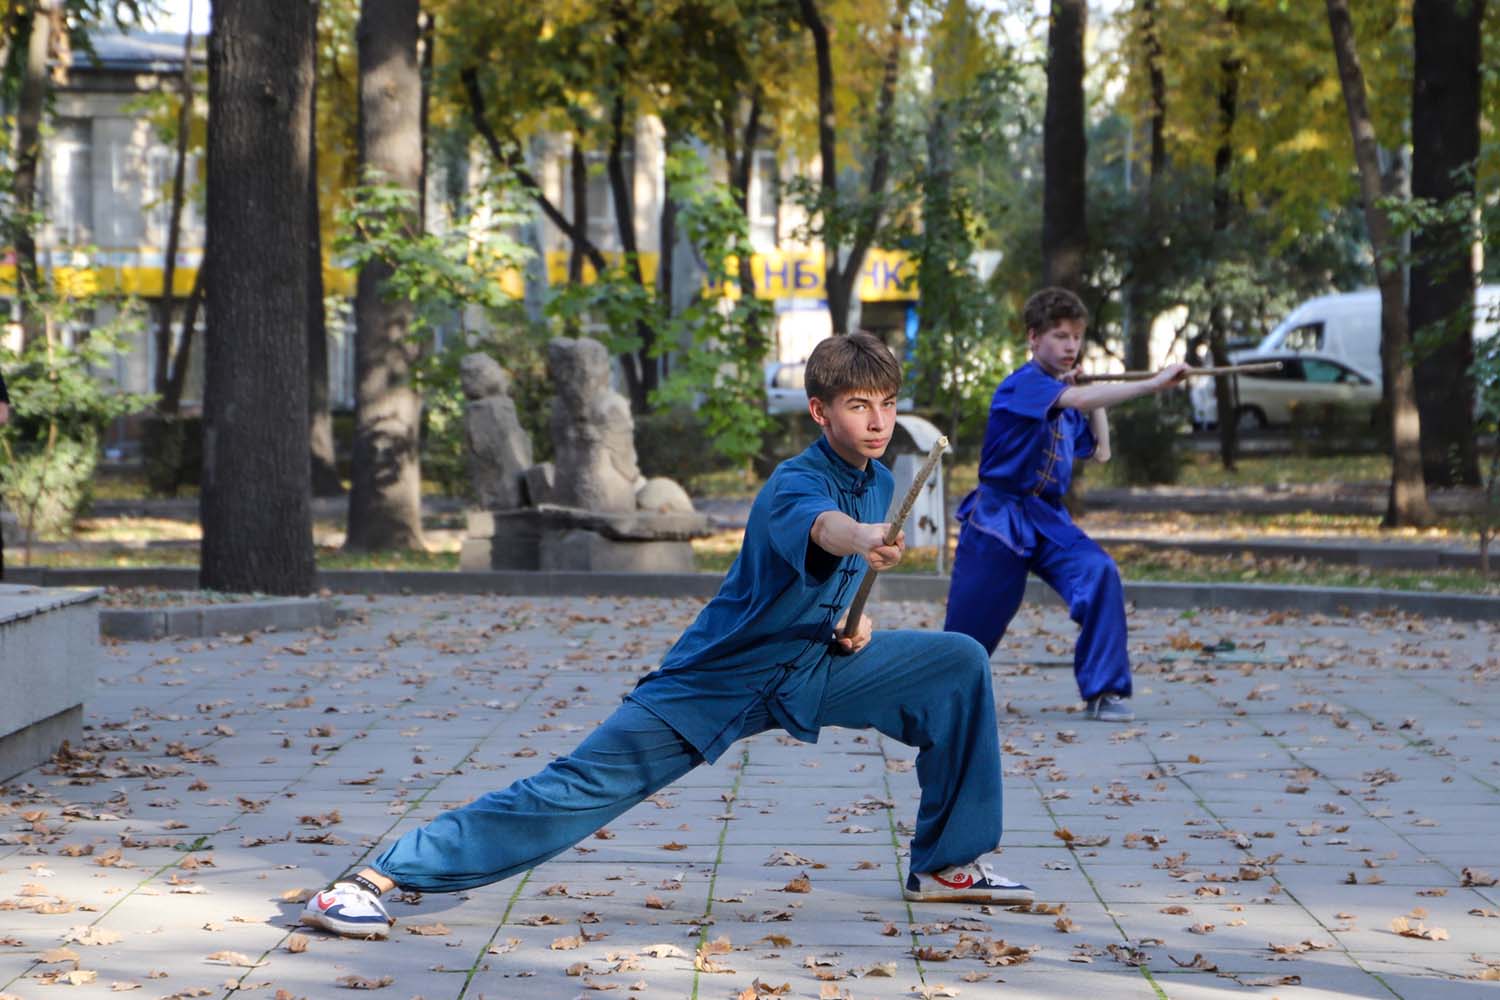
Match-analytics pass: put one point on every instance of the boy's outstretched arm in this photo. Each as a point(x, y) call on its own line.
point(839, 534)
point(1092, 397)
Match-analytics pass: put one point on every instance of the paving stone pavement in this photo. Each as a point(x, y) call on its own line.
point(1276, 807)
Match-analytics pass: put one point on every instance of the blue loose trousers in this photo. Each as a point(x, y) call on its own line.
point(989, 580)
point(928, 690)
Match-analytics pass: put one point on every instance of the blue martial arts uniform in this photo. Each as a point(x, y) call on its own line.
point(759, 656)
point(1014, 522)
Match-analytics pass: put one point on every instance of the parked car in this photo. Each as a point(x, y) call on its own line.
point(786, 391)
point(1346, 327)
point(1266, 398)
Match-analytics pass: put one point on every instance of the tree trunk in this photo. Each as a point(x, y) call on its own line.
point(1445, 101)
point(324, 453)
point(1225, 396)
point(257, 525)
point(169, 402)
point(1145, 277)
point(1407, 503)
point(843, 264)
point(1064, 149)
point(385, 501)
point(639, 368)
point(579, 179)
point(30, 107)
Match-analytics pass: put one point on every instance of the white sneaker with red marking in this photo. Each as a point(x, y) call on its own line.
point(346, 909)
point(972, 883)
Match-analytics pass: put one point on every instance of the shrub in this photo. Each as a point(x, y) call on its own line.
point(1146, 441)
point(672, 442)
point(1331, 428)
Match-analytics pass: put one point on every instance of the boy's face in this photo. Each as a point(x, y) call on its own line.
point(857, 424)
point(1058, 347)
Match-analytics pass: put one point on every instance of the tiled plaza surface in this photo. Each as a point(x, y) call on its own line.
point(1297, 791)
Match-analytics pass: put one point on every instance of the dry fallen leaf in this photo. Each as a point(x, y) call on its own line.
point(361, 983)
point(430, 930)
point(233, 958)
point(1406, 928)
point(567, 943)
point(1477, 877)
point(799, 884)
point(297, 943)
point(664, 951)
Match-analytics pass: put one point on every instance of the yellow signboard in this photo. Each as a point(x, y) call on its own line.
point(887, 275)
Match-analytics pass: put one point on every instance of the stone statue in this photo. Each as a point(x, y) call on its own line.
point(497, 448)
point(588, 510)
point(593, 432)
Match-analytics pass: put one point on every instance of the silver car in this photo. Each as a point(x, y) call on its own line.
point(1265, 399)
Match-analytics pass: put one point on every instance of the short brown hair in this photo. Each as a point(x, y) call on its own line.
point(1044, 309)
point(844, 364)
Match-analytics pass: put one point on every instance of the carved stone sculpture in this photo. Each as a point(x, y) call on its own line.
point(593, 432)
point(496, 446)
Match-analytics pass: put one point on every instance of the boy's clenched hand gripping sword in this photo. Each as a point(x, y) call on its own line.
point(896, 518)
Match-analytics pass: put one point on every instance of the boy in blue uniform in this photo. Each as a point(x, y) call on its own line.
point(761, 655)
point(1014, 522)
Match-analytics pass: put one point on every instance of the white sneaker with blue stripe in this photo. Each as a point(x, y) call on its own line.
point(1110, 707)
point(972, 883)
point(346, 909)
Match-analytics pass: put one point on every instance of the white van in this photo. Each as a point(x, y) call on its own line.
point(1346, 326)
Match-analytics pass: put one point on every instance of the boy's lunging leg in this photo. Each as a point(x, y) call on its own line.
point(986, 588)
point(1086, 578)
point(631, 755)
point(933, 691)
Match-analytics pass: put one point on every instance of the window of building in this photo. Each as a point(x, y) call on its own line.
point(67, 183)
point(161, 168)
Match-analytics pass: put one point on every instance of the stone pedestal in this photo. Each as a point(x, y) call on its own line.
point(567, 539)
point(49, 649)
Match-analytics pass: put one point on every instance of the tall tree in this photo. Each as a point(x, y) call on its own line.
point(257, 525)
point(1065, 149)
point(848, 225)
point(30, 108)
point(1147, 262)
point(1407, 503)
point(324, 470)
point(1230, 65)
point(1445, 99)
point(385, 499)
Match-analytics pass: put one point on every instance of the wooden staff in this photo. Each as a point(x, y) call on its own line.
point(1246, 369)
point(896, 518)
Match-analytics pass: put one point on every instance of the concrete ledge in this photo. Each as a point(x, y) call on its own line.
point(193, 621)
point(891, 587)
point(49, 651)
point(31, 745)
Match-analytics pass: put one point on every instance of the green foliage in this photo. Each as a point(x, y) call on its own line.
point(60, 406)
point(662, 449)
point(724, 343)
point(442, 275)
point(1146, 439)
point(1330, 428)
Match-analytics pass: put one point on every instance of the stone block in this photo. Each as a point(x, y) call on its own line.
point(588, 551)
point(49, 648)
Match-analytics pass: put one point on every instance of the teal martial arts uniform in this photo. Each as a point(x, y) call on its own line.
point(1015, 522)
point(759, 656)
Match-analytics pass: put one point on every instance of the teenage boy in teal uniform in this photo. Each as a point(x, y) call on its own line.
point(1015, 523)
point(763, 654)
